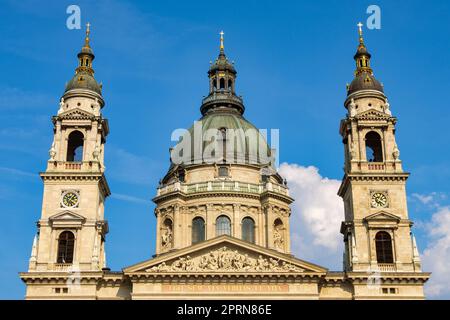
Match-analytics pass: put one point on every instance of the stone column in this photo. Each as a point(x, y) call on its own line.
point(158, 231)
point(236, 228)
point(209, 221)
point(287, 233)
point(177, 223)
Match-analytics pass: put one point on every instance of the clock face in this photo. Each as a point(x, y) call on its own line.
point(70, 199)
point(379, 200)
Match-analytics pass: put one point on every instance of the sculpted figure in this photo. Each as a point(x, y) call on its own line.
point(61, 106)
point(212, 262)
point(52, 151)
point(387, 109)
point(166, 238)
point(262, 264)
point(396, 153)
point(96, 152)
point(273, 264)
point(203, 262)
point(278, 238)
point(160, 267)
point(352, 108)
point(189, 264)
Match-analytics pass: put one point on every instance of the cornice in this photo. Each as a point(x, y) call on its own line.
point(60, 277)
point(256, 277)
point(81, 176)
point(211, 194)
point(370, 177)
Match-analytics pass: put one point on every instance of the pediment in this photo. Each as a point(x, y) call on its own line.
point(382, 216)
point(77, 114)
point(373, 114)
point(67, 216)
point(224, 254)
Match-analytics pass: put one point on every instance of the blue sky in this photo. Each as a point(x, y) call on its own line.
point(293, 60)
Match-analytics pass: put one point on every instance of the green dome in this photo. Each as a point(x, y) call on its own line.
point(249, 145)
point(84, 80)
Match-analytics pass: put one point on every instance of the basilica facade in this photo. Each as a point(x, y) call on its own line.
point(222, 209)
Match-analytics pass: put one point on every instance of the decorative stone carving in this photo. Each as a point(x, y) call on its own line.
point(278, 239)
point(167, 236)
point(396, 153)
point(387, 109)
point(52, 151)
point(96, 152)
point(96, 106)
point(225, 260)
point(61, 106)
point(352, 108)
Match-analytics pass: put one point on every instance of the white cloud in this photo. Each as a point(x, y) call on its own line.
point(316, 216)
point(127, 198)
point(432, 199)
point(436, 256)
point(16, 98)
point(425, 199)
point(129, 167)
point(18, 173)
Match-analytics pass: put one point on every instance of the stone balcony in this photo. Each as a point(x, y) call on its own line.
point(377, 167)
point(66, 166)
point(386, 267)
point(62, 266)
point(222, 186)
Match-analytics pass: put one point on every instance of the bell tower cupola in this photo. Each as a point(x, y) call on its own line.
point(86, 56)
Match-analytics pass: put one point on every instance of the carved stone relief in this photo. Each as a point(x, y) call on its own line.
point(226, 259)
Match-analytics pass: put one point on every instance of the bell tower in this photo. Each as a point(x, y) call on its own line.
point(377, 229)
point(72, 228)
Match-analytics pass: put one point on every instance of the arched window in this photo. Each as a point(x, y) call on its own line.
point(248, 230)
point(75, 147)
point(222, 83)
point(198, 230)
point(230, 85)
point(223, 226)
point(374, 151)
point(66, 242)
point(383, 244)
point(215, 84)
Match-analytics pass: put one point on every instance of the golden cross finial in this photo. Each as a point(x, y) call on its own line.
point(88, 31)
point(221, 40)
point(360, 31)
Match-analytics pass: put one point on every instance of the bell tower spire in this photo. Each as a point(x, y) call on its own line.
point(377, 229)
point(72, 228)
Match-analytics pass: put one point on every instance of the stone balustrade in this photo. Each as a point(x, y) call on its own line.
point(386, 267)
point(214, 186)
point(65, 166)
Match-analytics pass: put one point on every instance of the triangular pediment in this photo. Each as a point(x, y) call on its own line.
point(67, 216)
point(382, 216)
point(373, 114)
point(224, 254)
point(76, 113)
